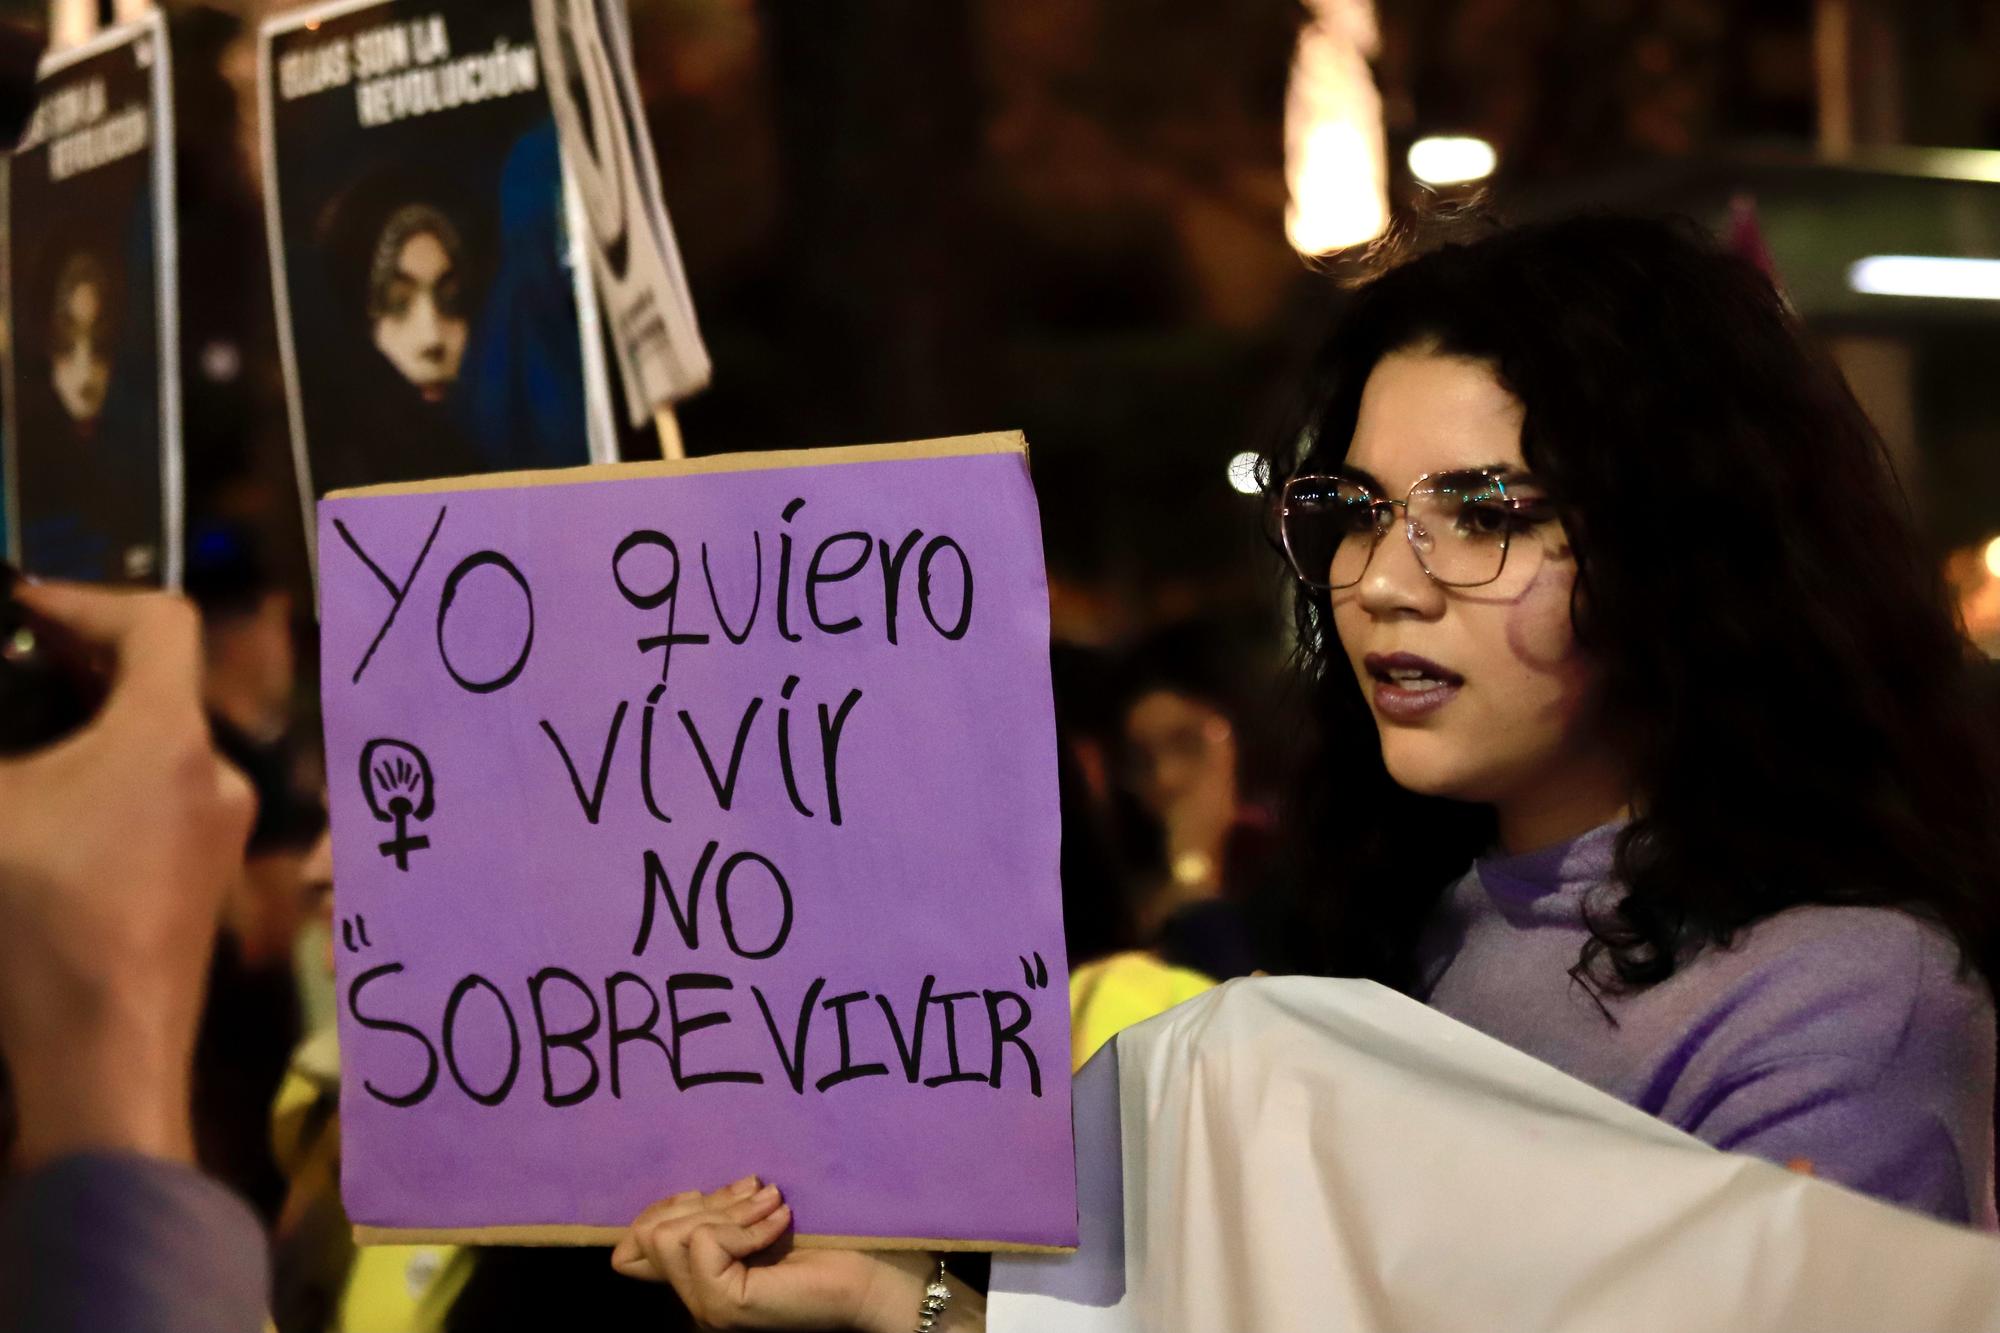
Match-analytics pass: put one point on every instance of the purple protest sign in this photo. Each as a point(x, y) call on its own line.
point(697, 819)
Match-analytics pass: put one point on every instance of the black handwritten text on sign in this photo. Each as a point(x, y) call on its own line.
point(742, 855)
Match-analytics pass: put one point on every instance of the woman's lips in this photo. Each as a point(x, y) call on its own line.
point(1408, 687)
point(1400, 703)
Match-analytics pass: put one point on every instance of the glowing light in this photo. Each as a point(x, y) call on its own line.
point(1926, 275)
point(1993, 557)
point(1334, 161)
point(1246, 476)
point(1452, 159)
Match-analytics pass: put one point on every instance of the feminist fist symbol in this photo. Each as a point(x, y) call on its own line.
point(396, 780)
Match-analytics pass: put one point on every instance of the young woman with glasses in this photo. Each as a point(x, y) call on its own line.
point(1647, 738)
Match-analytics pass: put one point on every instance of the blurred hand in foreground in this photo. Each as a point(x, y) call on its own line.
point(116, 846)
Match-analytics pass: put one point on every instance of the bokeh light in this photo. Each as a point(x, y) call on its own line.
point(1452, 159)
point(1246, 477)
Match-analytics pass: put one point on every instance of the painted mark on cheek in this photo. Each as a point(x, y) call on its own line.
point(1539, 631)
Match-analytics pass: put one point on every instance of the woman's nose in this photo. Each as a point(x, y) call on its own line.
point(427, 327)
point(1395, 582)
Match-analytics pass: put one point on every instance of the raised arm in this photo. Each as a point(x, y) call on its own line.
point(116, 846)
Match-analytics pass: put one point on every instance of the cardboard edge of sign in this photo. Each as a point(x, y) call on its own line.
point(584, 1237)
point(957, 446)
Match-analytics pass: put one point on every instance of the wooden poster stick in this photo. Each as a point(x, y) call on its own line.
point(669, 426)
point(71, 23)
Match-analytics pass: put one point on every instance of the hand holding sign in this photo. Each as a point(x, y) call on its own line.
point(717, 1251)
point(749, 857)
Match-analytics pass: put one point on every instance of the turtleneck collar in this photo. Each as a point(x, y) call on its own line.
point(1562, 872)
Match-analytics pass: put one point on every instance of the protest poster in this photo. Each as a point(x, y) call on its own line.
point(93, 436)
point(588, 50)
point(434, 316)
point(692, 819)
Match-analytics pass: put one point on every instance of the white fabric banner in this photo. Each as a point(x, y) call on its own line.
point(1299, 1153)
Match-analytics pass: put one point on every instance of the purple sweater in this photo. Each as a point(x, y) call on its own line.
point(1842, 1035)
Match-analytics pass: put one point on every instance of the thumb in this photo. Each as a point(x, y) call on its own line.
point(718, 1247)
point(630, 1258)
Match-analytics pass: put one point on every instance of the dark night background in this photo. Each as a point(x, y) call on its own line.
point(905, 218)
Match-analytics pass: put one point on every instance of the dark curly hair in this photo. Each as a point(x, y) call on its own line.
point(1779, 653)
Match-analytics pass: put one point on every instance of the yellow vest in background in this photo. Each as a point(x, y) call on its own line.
point(1111, 994)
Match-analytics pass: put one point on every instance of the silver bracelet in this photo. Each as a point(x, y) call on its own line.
point(936, 1296)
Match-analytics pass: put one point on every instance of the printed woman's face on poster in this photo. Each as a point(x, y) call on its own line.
point(80, 338)
point(416, 309)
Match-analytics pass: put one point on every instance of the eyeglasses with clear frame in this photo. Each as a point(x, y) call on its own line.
point(1460, 523)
